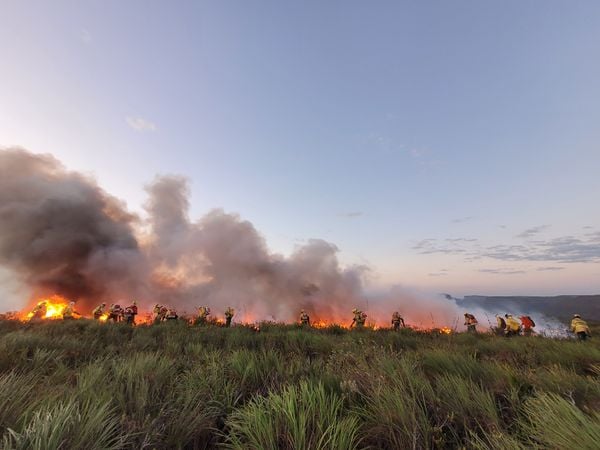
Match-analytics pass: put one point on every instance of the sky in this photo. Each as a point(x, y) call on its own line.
point(449, 146)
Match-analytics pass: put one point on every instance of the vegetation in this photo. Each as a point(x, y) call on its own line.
point(81, 384)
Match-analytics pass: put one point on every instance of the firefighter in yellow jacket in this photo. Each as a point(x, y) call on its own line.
point(203, 313)
point(229, 312)
point(98, 311)
point(359, 319)
point(471, 323)
point(69, 311)
point(397, 321)
point(513, 327)
point(580, 327)
point(304, 319)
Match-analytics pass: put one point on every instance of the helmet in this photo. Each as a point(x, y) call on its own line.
point(103, 304)
point(72, 304)
point(134, 302)
point(301, 311)
point(507, 315)
point(354, 311)
point(576, 316)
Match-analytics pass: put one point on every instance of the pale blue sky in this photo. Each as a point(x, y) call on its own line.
point(391, 129)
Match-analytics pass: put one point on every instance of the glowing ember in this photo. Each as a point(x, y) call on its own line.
point(445, 330)
point(48, 308)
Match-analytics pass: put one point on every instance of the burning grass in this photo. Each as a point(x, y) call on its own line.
point(84, 384)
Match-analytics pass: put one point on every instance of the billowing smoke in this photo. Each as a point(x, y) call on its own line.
point(60, 233)
point(222, 260)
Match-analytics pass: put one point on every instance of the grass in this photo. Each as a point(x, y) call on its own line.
point(80, 384)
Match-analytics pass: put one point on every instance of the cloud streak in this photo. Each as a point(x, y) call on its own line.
point(139, 124)
point(530, 232)
point(351, 214)
point(564, 249)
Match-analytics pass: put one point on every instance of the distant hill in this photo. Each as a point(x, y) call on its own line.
point(561, 307)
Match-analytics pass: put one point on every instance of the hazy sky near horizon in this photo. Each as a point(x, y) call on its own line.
point(450, 146)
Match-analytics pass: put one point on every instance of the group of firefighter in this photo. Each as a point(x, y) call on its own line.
point(510, 326)
point(507, 325)
point(116, 313)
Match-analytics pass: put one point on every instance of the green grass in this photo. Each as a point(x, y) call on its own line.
point(82, 384)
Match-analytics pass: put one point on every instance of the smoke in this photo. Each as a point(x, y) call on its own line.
point(60, 233)
point(222, 260)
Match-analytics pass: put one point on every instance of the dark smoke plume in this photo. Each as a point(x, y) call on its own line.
point(60, 233)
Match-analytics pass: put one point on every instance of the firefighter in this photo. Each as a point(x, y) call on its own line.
point(527, 325)
point(171, 315)
point(129, 315)
point(203, 313)
point(359, 319)
point(134, 310)
point(304, 319)
point(397, 321)
point(513, 327)
point(580, 328)
point(229, 313)
point(157, 314)
point(39, 311)
point(115, 313)
point(471, 323)
point(98, 311)
point(500, 329)
point(69, 311)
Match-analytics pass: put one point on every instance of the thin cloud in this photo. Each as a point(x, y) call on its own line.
point(86, 36)
point(503, 271)
point(351, 214)
point(563, 249)
point(532, 231)
point(462, 219)
point(549, 269)
point(139, 124)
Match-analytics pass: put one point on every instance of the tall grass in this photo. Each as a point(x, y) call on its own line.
point(299, 417)
point(552, 421)
point(88, 385)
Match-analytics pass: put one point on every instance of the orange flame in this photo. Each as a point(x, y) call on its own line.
point(48, 308)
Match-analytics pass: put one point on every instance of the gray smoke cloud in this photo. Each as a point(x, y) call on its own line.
point(61, 233)
point(223, 260)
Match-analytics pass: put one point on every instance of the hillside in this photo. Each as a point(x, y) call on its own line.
point(560, 307)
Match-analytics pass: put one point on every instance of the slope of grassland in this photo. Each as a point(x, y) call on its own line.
point(84, 385)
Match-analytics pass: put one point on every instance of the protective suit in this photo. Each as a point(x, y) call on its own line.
point(580, 328)
point(397, 321)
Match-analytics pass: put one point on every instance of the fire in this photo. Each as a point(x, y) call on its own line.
point(445, 330)
point(320, 324)
point(48, 308)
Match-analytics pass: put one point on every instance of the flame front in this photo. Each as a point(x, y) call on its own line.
point(48, 308)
